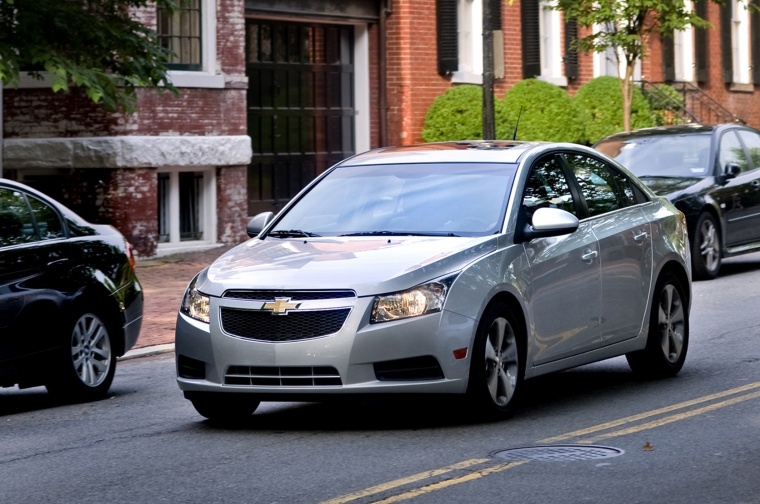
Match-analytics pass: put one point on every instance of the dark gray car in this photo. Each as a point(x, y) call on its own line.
point(711, 173)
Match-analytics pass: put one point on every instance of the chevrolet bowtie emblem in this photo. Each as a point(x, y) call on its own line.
point(280, 306)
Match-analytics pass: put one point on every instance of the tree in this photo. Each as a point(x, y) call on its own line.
point(625, 25)
point(97, 45)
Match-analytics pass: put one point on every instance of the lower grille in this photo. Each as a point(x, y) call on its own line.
point(295, 326)
point(301, 376)
point(414, 368)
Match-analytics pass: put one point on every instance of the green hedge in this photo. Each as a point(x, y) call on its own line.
point(546, 112)
point(602, 102)
point(455, 115)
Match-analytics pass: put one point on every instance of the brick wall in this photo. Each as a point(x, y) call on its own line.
point(232, 204)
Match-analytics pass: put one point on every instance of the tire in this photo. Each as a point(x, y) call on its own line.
point(706, 248)
point(498, 363)
point(668, 338)
point(84, 368)
point(224, 408)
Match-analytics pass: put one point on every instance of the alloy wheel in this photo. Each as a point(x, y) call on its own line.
point(91, 350)
point(502, 362)
point(671, 320)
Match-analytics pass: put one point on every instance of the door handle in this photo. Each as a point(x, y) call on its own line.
point(589, 256)
point(640, 236)
point(755, 184)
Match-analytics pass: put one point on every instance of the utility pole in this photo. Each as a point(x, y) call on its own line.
point(489, 121)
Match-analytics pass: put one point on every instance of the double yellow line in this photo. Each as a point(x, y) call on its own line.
point(469, 470)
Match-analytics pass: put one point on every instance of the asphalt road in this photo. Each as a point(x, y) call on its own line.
point(690, 439)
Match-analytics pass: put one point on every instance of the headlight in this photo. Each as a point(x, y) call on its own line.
point(195, 304)
point(420, 300)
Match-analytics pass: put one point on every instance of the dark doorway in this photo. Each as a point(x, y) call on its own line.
point(300, 106)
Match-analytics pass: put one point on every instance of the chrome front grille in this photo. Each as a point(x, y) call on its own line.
point(301, 376)
point(295, 326)
point(293, 295)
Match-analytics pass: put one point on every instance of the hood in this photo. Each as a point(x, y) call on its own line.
point(670, 186)
point(368, 265)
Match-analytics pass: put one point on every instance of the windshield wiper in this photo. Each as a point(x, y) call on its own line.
point(291, 233)
point(397, 233)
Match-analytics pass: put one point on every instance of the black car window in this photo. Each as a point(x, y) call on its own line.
point(751, 140)
point(48, 222)
point(16, 222)
point(603, 188)
point(547, 187)
point(731, 152)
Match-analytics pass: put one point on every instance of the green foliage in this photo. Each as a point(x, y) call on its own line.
point(95, 45)
point(602, 102)
point(455, 115)
point(546, 112)
point(665, 102)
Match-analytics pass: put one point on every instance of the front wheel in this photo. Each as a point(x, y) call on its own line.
point(497, 367)
point(84, 368)
point(668, 338)
point(705, 248)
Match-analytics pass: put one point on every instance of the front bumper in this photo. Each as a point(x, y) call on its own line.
point(414, 355)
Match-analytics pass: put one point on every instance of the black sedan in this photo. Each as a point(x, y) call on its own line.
point(711, 173)
point(70, 302)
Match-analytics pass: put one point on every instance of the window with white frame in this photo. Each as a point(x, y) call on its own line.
point(683, 52)
point(186, 203)
point(190, 33)
point(550, 30)
point(470, 41)
point(740, 42)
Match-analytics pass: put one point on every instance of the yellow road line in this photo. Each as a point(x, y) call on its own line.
point(473, 475)
point(405, 481)
point(647, 414)
point(450, 482)
point(672, 418)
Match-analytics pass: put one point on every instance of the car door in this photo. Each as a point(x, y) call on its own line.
point(739, 197)
point(565, 270)
point(625, 246)
point(31, 240)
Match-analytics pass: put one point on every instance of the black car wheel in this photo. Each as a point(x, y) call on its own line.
point(705, 248)
point(224, 408)
point(498, 367)
point(668, 338)
point(85, 367)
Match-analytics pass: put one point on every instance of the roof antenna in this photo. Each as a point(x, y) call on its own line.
point(514, 133)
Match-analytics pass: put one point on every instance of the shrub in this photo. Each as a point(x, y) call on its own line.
point(665, 103)
point(602, 101)
point(545, 111)
point(455, 115)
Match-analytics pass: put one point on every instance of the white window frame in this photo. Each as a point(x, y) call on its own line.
point(683, 51)
point(469, 42)
point(740, 43)
point(550, 35)
point(207, 211)
point(361, 89)
point(209, 76)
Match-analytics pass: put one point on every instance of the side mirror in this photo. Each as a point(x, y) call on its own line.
point(258, 223)
point(731, 170)
point(548, 222)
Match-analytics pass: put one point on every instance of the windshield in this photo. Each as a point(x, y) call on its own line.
point(447, 199)
point(662, 155)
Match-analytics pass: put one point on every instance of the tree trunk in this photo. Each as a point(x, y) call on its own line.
point(626, 87)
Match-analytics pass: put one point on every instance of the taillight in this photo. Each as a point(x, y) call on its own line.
point(131, 255)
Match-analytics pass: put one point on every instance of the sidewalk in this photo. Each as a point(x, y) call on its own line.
point(164, 280)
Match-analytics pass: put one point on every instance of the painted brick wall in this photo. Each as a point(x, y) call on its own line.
point(232, 203)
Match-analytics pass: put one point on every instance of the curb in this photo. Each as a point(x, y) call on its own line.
point(148, 351)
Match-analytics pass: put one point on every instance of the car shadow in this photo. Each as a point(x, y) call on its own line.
point(547, 395)
point(739, 265)
point(14, 401)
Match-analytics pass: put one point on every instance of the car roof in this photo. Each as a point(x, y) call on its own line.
point(467, 151)
point(674, 129)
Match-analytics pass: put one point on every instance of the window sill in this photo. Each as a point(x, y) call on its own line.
point(741, 87)
point(466, 78)
point(557, 81)
point(187, 79)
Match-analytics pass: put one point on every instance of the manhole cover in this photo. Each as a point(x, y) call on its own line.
point(558, 453)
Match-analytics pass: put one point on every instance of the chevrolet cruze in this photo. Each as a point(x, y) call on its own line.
point(457, 268)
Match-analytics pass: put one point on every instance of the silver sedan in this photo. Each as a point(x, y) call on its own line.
point(458, 268)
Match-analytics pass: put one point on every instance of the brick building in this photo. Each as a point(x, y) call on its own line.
point(281, 89)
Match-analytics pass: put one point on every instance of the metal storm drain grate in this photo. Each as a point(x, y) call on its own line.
point(558, 453)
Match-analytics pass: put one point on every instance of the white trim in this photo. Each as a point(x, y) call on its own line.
point(740, 42)
point(469, 42)
point(361, 89)
point(207, 209)
point(549, 27)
